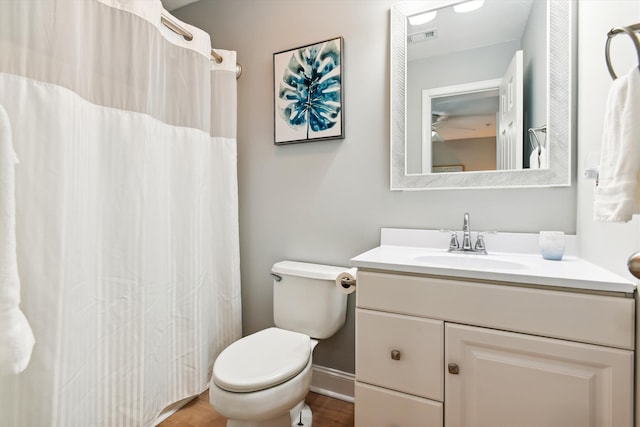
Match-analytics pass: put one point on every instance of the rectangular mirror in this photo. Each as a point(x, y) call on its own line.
point(481, 99)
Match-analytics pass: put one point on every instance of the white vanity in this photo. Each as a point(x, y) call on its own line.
point(505, 339)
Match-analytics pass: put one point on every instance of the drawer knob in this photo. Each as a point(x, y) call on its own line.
point(453, 368)
point(395, 354)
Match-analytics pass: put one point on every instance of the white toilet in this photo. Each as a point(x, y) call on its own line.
point(263, 378)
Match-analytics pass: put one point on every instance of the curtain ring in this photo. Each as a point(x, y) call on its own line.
point(610, 35)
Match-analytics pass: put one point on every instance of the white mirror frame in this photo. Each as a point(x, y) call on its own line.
point(560, 111)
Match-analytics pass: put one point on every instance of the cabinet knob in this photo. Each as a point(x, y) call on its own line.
point(395, 354)
point(453, 368)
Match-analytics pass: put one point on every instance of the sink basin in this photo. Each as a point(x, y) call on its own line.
point(468, 261)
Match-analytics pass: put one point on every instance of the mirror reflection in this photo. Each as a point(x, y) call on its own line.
point(476, 87)
point(459, 127)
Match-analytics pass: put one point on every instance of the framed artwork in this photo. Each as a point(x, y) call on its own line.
point(308, 100)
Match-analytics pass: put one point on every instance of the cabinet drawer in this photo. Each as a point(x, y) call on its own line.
point(596, 319)
point(377, 407)
point(416, 368)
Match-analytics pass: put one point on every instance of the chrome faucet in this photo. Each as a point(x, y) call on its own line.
point(466, 233)
point(467, 247)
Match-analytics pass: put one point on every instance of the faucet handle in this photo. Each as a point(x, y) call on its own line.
point(453, 242)
point(480, 245)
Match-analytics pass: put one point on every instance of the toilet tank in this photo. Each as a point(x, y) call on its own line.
point(306, 299)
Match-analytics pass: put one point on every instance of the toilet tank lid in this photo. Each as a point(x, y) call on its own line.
point(305, 269)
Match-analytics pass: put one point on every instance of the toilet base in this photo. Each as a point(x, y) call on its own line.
point(299, 416)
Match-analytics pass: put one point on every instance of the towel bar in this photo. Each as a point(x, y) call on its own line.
point(631, 31)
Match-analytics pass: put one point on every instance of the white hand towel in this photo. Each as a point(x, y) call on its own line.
point(543, 157)
point(16, 337)
point(534, 159)
point(616, 196)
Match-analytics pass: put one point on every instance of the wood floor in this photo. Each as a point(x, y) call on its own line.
point(327, 412)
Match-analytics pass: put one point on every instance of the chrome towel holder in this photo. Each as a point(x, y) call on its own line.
point(631, 30)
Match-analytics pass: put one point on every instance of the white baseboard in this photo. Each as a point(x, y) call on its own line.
point(333, 383)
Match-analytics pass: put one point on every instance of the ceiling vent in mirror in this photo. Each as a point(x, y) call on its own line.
point(422, 36)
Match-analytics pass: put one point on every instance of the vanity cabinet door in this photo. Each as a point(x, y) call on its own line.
point(379, 407)
point(401, 353)
point(507, 379)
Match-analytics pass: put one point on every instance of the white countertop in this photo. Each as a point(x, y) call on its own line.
point(513, 257)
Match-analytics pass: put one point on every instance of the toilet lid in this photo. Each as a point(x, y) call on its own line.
point(262, 360)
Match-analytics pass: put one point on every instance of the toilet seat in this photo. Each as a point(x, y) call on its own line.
point(259, 408)
point(262, 360)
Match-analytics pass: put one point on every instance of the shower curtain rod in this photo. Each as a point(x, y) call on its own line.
point(167, 22)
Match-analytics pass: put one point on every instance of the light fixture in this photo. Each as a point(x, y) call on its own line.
point(422, 18)
point(468, 6)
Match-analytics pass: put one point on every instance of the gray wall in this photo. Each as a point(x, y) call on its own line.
point(607, 244)
point(475, 154)
point(325, 202)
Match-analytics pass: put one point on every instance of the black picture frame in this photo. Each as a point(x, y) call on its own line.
point(308, 93)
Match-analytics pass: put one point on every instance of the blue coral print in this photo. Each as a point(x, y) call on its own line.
point(310, 88)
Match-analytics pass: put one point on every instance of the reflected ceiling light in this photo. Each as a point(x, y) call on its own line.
point(468, 6)
point(422, 18)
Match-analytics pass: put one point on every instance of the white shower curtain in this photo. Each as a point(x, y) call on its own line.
point(126, 204)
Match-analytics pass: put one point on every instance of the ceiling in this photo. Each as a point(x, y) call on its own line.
point(496, 22)
point(175, 4)
point(467, 115)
